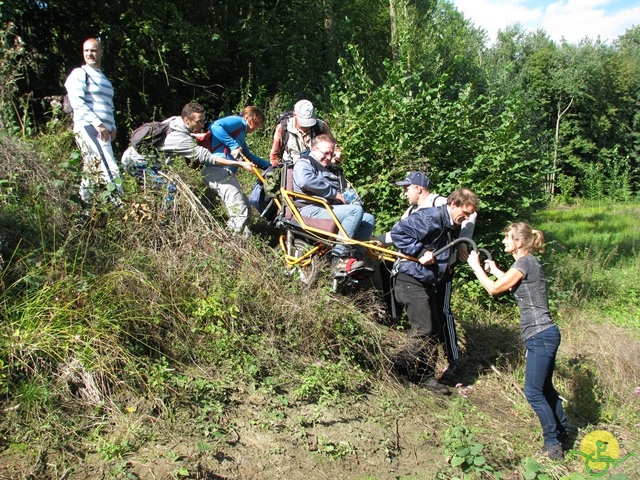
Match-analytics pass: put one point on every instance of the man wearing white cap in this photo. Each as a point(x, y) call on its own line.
point(295, 133)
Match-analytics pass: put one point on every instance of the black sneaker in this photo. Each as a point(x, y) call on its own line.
point(430, 383)
point(566, 441)
point(450, 374)
point(554, 452)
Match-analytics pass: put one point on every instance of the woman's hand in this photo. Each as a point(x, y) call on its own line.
point(473, 260)
point(474, 263)
point(491, 267)
point(235, 152)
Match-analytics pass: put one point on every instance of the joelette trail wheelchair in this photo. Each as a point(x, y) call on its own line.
point(306, 243)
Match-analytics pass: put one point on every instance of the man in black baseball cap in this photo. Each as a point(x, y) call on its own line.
point(415, 178)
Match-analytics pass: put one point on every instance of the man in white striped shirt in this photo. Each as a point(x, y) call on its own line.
point(91, 96)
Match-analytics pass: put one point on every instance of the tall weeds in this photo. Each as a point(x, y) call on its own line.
point(144, 300)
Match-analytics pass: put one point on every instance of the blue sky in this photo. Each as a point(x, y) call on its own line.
point(571, 19)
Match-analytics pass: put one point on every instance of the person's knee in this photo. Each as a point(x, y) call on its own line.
point(357, 212)
point(532, 393)
point(238, 208)
point(369, 219)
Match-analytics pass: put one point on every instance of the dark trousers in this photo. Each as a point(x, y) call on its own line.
point(394, 309)
point(538, 385)
point(447, 334)
point(420, 354)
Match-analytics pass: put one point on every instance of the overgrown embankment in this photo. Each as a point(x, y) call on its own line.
point(147, 343)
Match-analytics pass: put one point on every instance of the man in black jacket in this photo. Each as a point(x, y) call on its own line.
point(419, 235)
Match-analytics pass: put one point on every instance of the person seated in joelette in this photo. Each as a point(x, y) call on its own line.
point(312, 176)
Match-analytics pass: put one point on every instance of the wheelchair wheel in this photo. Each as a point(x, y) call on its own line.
point(310, 272)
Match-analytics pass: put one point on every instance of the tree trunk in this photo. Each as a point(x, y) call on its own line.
point(329, 28)
point(554, 176)
point(394, 30)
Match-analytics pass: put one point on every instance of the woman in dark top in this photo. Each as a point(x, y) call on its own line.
point(540, 334)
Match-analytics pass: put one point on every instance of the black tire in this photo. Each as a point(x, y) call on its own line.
point(310, 273)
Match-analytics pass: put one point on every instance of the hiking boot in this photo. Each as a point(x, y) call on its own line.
point(450, 374)
point(554, 452)
point(430, 383)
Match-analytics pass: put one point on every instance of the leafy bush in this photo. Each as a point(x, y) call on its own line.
point(464, 453)
point(458, 138)
point(325, 382)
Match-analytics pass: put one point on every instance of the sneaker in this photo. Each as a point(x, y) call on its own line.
point(357, 269)
point(450, 374)
point(81, 219)
point(430, 383)
point(554, 452)
point(352, 267)
point(338, 267)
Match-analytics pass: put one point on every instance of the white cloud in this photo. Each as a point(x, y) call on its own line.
point(571, 19)
point(577, 19)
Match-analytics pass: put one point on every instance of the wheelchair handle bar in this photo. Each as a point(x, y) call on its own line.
point(466, 240)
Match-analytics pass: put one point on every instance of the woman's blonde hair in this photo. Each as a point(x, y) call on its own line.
point(532, 240)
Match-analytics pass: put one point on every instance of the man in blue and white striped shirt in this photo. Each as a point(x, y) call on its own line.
point(91, 96)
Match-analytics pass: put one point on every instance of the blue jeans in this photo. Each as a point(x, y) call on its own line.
point(358, 224)
point(538, 387)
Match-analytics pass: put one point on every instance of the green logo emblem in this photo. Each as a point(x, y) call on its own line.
point(600, 451)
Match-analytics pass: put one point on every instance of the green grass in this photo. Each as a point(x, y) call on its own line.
point(593, 259)
point(594, 225)
point(127, 341)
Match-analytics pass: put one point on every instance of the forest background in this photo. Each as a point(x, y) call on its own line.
point(134, 347)
point(404, 85)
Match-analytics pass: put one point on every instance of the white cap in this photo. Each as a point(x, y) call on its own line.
point(305, 113)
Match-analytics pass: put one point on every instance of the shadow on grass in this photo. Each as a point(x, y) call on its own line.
point(583, 407)
point(490, 345)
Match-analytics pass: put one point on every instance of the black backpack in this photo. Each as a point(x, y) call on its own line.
point(150, 135)
point(283, 119)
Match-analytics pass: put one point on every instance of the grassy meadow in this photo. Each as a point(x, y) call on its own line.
point(147, 343)
point(596, 247)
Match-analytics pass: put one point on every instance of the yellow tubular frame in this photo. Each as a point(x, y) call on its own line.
point(323, 236)
point(374, 250)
